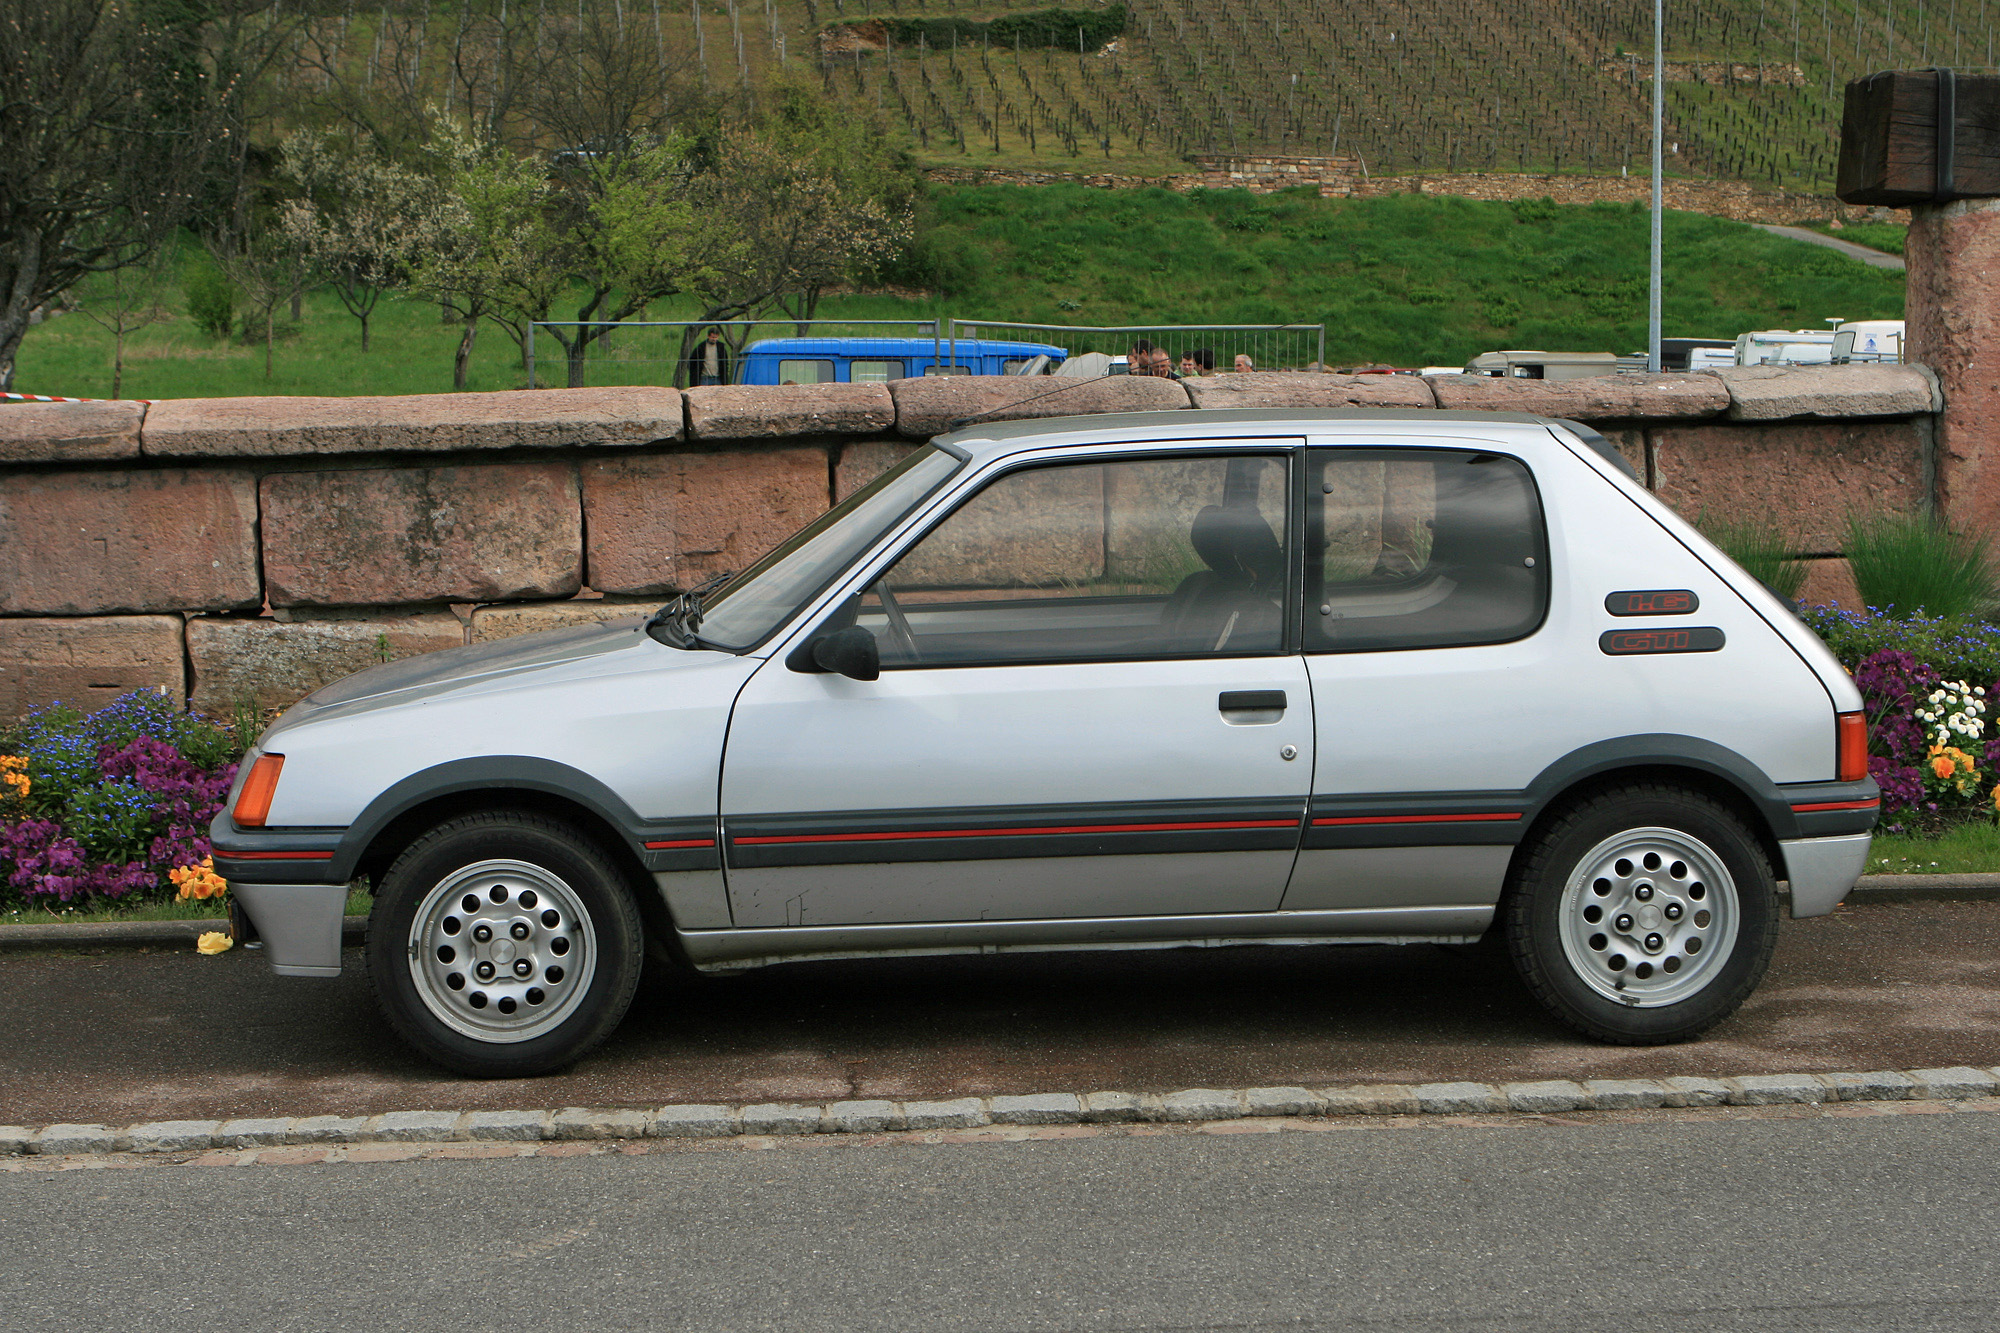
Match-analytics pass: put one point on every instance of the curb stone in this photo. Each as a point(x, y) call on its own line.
point(1188, 1106)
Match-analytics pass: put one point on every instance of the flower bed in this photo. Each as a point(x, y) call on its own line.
point(113, 806)
point(1925, 683)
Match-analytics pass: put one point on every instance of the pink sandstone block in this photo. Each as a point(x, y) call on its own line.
point(933, 405)
point(385, 536)
point(865, 460)
point(657, 522)
point(759, 411)
point(1954, 328)
point(157, 539)
point(1307, 392)
point(87, 661)
point(1598, 398)
point(1805, 476)
point(274, 664)
point(69, 432)
point(413, 423)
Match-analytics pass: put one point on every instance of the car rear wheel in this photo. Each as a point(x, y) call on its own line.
point(504, 945)
point(1642, 915)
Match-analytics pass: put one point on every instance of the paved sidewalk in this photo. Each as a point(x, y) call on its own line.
point(129, 1036)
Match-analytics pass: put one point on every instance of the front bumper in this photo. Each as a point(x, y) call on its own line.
point(299, 924)
point(1822, 870)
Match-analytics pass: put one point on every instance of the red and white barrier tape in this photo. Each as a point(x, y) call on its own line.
point(46, 398)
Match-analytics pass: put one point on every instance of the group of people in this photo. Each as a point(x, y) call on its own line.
point(1146, 359)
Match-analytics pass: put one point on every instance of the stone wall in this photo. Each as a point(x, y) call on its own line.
point(251, 549)
point(1348, 178)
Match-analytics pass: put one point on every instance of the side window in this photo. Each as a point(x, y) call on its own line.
point(805, 372)
point(1422, 548)
point(1149, 558)
point(948, 370)
point(874, 372)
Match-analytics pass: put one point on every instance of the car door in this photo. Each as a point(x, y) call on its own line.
point(1427, 581)
point(1090, 705)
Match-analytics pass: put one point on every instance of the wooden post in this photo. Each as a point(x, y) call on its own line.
point(1929, 141)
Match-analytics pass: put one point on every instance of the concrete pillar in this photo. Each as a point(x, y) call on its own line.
point(1953, 316)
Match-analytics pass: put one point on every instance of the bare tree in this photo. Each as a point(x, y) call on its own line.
point(271, 269)
point(123, 300)
point(106, 124)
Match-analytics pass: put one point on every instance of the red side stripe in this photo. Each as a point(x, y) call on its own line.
point(679, 842)
point(1838, 805)
point(768, 839)
point(1494, 818)
point(274, 856)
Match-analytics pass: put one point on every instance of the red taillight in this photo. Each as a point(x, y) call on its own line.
point(258, 789)
point(1851, 751)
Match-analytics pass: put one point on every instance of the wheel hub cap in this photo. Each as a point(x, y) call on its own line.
point(502, 951)
point(1649, 917)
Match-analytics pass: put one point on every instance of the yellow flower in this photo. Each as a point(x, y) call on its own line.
point(13, 775)
point(213, 941)
point(198, 881)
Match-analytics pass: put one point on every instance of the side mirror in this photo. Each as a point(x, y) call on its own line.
point(852, 652)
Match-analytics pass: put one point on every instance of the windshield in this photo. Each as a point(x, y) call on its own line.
point(746, 612)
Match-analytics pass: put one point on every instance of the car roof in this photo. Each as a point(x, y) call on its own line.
point(985, 440)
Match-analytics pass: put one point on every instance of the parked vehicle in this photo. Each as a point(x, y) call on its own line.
point(1145, 680)
point(876, 360)
point(1543, 365)
point(1858, 340)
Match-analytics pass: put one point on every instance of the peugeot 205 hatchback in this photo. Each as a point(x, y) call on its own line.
point(1145, 680)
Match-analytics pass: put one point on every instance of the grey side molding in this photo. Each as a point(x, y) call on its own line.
point(299, 924)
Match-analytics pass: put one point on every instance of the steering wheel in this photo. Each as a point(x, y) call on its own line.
point(899, 624)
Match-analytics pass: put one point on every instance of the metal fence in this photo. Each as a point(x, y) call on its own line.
point(655, 351)
point(1267, 346)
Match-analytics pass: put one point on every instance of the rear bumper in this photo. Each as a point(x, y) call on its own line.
point(1822, 870)
point(299, 924)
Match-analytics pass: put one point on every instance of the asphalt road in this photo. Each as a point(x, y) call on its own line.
point(123, 1036)
point(1663, 1224)
point(1872, 258)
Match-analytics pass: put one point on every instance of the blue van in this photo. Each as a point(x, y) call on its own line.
point(878, 360)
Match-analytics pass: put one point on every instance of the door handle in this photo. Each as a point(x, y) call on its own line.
point(1251, 701)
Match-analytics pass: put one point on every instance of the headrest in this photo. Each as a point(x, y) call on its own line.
point(1237, 542)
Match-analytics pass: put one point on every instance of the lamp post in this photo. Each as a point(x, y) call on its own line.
point(1659, 116)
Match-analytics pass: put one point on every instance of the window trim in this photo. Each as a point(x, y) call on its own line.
point(1291, 449)
point(1313, 544)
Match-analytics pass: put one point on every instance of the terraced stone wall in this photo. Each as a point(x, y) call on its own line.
point(252, 549)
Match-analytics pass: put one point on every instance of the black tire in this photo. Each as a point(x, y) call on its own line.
point(1652, 947)
point(561, 950)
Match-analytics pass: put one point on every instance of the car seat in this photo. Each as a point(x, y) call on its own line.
point(1234, 603)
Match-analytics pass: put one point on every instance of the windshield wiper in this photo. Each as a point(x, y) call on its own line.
point(675, 623)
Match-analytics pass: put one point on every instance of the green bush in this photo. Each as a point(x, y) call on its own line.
point(1916, 564)
point(211, 300)
point(1762, 550)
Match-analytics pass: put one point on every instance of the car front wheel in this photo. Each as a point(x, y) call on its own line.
point(504, 945)
point(1643, 915)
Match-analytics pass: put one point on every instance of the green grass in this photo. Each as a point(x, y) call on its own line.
point(1964, 849)
point(358, 904)
point(1764, 550)
point(1887, 237)
point(1405, 279)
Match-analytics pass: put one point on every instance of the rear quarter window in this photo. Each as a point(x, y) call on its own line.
point(1422, 548)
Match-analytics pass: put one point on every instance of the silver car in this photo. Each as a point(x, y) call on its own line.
point(1107, 682)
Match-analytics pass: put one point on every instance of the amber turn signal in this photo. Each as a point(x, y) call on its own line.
point(258, 789)
point(1850, 758)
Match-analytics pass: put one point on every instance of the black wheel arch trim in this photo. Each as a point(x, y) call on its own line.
point(1772, 801)
point(694, 838)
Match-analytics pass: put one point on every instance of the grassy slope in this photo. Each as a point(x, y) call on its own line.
point(1405, 279)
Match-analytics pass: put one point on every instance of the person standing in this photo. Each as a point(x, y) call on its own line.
point(708, 363)
point(1243, 363)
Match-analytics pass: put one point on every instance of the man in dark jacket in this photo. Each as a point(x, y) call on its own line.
point(708, 363)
